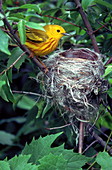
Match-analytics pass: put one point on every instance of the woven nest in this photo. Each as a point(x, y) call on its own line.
point(75, 81)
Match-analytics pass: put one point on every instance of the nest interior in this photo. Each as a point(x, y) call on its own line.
point(75, 81)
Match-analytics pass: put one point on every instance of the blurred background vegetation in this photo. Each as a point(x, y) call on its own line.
point(28, 115)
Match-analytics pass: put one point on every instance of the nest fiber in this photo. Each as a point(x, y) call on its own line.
point(74, 82)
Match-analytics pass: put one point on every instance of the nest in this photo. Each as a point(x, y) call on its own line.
point(75, 82)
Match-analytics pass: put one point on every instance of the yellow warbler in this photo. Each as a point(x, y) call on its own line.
point(44, 42)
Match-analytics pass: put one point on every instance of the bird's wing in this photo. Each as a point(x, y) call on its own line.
point(36, 35)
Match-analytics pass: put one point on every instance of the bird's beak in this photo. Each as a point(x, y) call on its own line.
point(66, 34)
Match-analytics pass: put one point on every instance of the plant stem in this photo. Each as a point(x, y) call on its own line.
point(87, 25)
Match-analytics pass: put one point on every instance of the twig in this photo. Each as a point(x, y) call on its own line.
point(109, 61)
point(108, 140)
point(89, 146)
point(103, 26)
point(30, 93)
point(60, 19)
point(15, 38)
point(81, 136)
point(100, 140)
point(59, 127)
point(12, 64)
point(88, 26)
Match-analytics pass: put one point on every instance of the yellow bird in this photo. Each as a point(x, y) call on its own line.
point(41, 42)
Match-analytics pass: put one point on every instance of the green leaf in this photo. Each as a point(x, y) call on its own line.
point(2, 82)
point(46, 108)
point(104, 3)
point(105, 120)
point(20, 163)
point(9, 75)
point(25, 102)
point(60, 3)
point(42, 153)
point(104, 160)
point(40, 105)
point(4, 42)
point(75, 160)
point(109, 92)
point(51, 12)
point(52, 162)
point(6, 138)
point(39, 148)
point(4, 165)
point(15, 54)
point(108, 70)
point(86, 3)
point(35, 7)
point(34, 25)
point(21, 30)
point(5, 90)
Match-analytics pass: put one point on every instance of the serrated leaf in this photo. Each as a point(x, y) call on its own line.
point(4, 42)
point(86, 3)
point(6, 138)
point(21, 30)
point(4, 165)
point(15, 54)
point(21, 163)
point(104, 160)
point(75, 160)
point(39, 148)
point(41, 152)
point(52, 162)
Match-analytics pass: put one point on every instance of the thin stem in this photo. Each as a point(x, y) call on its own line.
point(100, 141)
point(89, 146)
point(88, 26)
point(59, 127)
point(81, 136)
point(16, 39)
point(60, 19)
point(108, 140)
point(30, 93)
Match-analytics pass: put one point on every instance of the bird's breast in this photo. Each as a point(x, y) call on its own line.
point(43, 48)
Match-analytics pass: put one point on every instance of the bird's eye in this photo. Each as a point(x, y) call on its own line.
point(58, 30)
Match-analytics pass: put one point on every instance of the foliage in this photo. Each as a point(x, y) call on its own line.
point(24, 112)
point(38, 155)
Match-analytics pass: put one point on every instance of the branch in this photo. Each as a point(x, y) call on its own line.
point(57, 18)
point(12, 64)
point(103, 26)
point(60, 127)
point(16, 39)
point(88, 26)
point(30, 93)
point(100, 140)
